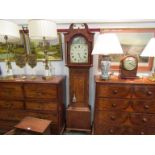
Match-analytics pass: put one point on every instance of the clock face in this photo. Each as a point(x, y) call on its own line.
point(130, 63)
point(79, 50)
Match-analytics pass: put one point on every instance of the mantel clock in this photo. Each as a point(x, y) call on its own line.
point(128, 67)
point(78, 44)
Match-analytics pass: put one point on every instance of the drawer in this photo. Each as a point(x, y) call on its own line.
point(11, 104)
point(17, 115)
point(110, 117)
point(107, 130)
point(11, 91)
point(147, 92)
point(41, 105)
point(143, 119)
point(144, 106)
point(12, 115)
point(111, 104)
point(40, 91)
point(137, 130)
point(113, 91)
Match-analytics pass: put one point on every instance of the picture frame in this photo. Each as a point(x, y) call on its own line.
point(133, 41)
point(15, 48)
point(54, 48)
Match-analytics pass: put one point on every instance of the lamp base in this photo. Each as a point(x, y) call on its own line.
point(105, 67)
point(152, 78)
point(47, 77)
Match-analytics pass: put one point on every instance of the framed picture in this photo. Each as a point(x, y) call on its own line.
point(133, 42)
point(14, 48)
point(54, 48)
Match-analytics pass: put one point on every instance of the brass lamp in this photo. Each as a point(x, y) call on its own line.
point(106, 44)
point(149, 51)
point(9, 33)
point(43, 30)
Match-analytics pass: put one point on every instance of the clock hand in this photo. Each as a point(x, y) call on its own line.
point(131, 64)
point(79, 55)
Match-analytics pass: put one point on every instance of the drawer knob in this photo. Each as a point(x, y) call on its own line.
point(111, 131)
point(142, 133)
point(149, 93)
point(146, 106)
point(145, 120)
point(115, 91)
point(113, 118)
point(113, 104)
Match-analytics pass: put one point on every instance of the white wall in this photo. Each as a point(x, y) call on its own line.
point(61, 69)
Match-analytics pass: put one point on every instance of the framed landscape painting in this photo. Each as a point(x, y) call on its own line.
point(25, 46)
point(133, 42)
point(54, 48)
point(14, 48)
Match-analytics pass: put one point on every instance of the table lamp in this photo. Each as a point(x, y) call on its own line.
point(106, 44)
point(149, 51)
point(43, 30)
point(9, 33)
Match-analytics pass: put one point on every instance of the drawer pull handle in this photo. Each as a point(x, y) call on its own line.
point(145, 120)
point(113, 118)
point(115, 91)
point(146, 106)
point(114, 105)
point(149, 93)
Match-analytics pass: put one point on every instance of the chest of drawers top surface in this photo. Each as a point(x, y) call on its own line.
point(117, 80)
point(38, 79)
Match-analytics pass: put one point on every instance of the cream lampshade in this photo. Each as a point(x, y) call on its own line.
point(149, 51)
point(9, 29)
point(43, 30)
point(106, 44)
point(9, 32)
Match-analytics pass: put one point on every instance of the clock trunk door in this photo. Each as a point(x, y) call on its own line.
point(79, 87)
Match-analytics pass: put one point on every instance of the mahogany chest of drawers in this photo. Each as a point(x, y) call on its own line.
point(124, 106)
point(37, 98)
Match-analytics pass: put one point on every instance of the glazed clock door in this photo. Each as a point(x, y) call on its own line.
point(79, 50)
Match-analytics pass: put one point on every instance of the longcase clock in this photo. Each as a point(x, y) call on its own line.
point(78, 44)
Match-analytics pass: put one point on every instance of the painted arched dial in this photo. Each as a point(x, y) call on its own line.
point(79, 50)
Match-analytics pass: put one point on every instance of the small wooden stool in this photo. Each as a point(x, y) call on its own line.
point(32, 126)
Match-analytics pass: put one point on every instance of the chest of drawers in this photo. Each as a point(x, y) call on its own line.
point(124, 106)
point(37, 98)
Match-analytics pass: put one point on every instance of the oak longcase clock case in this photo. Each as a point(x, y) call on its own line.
point(78, 44)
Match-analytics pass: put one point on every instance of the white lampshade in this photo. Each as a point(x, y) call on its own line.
point(107, 43)
point(42, 28)
point(9, 29)
point(149, 50)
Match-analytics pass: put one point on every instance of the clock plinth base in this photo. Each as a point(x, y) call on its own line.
point(78, 119)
